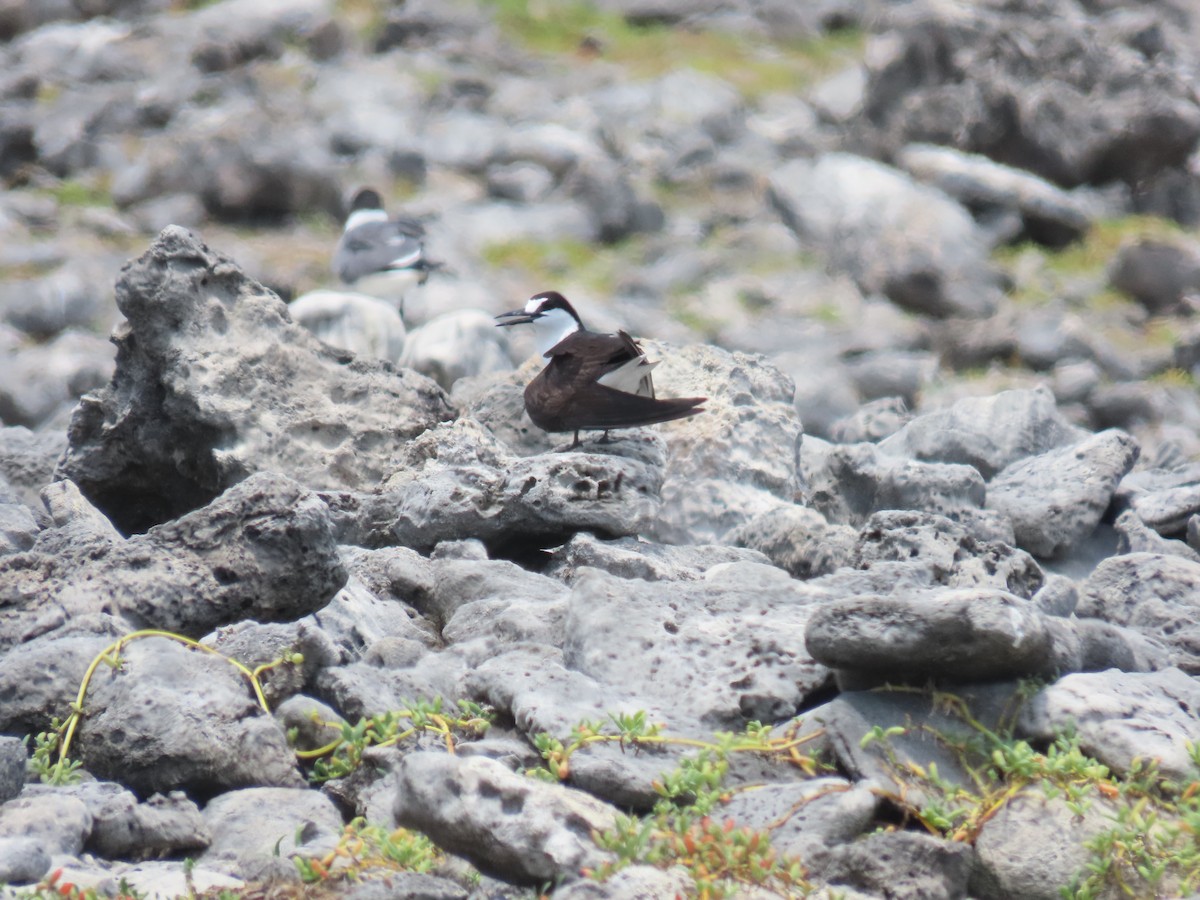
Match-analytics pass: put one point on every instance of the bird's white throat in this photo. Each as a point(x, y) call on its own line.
point(363, 216)
point(552, 327)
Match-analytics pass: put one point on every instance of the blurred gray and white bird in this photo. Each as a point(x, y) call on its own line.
point(380, 255)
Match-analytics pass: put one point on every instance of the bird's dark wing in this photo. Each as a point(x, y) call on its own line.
point(594, 406)
point(588, 355)
point(378, 247)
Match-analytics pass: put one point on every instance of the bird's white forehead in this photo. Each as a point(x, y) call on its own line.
point(533, 306)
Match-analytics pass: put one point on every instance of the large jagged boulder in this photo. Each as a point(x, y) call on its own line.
point(215, 381)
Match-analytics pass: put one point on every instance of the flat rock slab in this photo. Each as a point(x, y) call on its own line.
point(847, 483)
point(988, 433)
point(1122, 716)
point(1155, 594)
point(902, 865)
point(1033, 847)
point(458, 481)
point(887, 765)
point(956, 635)
point(271, 821)
point(530, 685)
point(948, 551)
point(215, 381)
point(741, 446)
point(264, 549)
point(908, 241)
point(631, 557)
point(508, 825)
point(804, 817)
point(1055, 500)
point(721, 652)
point(171, 718)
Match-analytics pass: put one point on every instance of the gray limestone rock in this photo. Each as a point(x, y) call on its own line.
point(797, 539)
point(23, 860)
point(457, 481)
point(123, 828)
point(58, 821)
point(1034, 846)
point(264, 548)
point(259, 644)
point(27, 460)
point(206, 350)
point(177, 719)
point(893, 236)
point(1168, 510)
point(988, 433)
point(632, 557)
point(498, 600)
point(455, 345)
point(721, 652)
point(804, 817)
point(1055, 500)
point(633, 881)
point(363, 325)
point(906, 865)
point(951, 554)
point(270, 821)
point(1044, 212)
point(515, 827)
point(1134, 535)
point(921, 733)
point(953, 635)
point(1121, 717)
point(40, 678)
point(13, 758)
point(531, 685)
point(1156, 595)
point(871, 422)
point(18, 528)
point(1149, 120)
point(739, 450)
point(43, 378)
point(848, 482)
point(1157, 273)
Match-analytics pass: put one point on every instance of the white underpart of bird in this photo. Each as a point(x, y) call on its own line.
point(550, 327)
point(632, 378)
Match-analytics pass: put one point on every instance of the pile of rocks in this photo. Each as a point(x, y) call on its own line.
point(859, 506)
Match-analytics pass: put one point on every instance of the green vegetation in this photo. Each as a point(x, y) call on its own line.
point(1149, 843)
point(1151, 846)
point(756, 67)
point(684, 827)
point(1055, 270)
point(554, 264)
point(70, 192)
point(365, 849)
point(344, 755)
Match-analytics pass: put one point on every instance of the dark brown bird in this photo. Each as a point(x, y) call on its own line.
point(593, 381)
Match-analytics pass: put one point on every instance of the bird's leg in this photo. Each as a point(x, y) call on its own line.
point(575, 443)
point(603, 437)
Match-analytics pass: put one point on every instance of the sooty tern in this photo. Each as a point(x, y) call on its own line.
point(379, 255)
point(593, 381)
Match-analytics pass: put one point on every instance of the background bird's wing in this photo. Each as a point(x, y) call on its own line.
point(377, 247)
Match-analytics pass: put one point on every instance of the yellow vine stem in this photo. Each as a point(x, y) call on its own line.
point(441, 726)
point(112, 652)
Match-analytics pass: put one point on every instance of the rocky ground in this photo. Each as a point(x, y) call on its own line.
point(912, 607)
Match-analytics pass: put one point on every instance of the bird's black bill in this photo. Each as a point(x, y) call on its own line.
point(516, 317)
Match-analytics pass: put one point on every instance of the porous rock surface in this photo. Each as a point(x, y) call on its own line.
point(944, 483)
point(214, 381)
